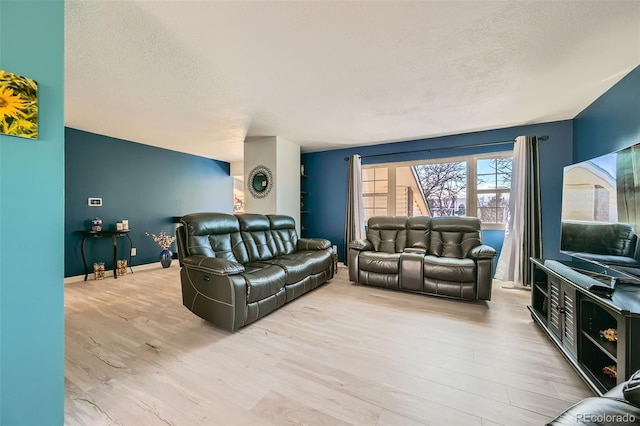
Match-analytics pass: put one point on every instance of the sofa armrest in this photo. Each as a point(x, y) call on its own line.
point(361, 244)
point(313, 244)
point(213, 265)
point(482, 251)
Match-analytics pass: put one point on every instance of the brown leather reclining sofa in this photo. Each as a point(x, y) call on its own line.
point(441, 256)
point(238, 268)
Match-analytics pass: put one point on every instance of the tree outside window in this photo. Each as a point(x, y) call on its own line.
point(493, 188)
point(444, 187)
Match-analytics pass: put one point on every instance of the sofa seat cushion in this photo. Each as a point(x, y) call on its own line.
point(295, 270)
point(318, 260)
point(374, 261)
point(449, 269)
point(263, 280)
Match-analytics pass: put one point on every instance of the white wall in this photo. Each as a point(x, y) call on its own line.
point(282, 157)
point(288, 180)
point(260, 151)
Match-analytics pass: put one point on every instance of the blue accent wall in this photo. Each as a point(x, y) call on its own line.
point(611, 122)
point(327, 170)
point(32, 223)
point(143, 184)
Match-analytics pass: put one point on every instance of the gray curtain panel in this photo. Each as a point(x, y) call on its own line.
point(533, 209)
point(354, 219)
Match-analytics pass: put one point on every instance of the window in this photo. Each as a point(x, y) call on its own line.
point(375, 188)
point(475, 186)
point(493, 188)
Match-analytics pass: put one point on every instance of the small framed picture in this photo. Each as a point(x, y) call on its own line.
point(95, 202)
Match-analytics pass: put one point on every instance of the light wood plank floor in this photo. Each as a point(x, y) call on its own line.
point(342, 354)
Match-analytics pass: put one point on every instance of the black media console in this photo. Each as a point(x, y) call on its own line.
point(582, 309)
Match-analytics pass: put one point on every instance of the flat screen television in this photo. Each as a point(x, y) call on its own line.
point(601, 213)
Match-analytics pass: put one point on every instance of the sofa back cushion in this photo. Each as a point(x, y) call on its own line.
point(283, 231)
point(388, 233)
point(212, 235)
point(454, 236)
point(419, 232)
point(256, 235)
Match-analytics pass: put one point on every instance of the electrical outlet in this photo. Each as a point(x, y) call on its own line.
point(133, 251)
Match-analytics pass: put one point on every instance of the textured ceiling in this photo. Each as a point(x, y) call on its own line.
point(201, 76)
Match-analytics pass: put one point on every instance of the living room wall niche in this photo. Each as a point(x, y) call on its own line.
point(146, 185)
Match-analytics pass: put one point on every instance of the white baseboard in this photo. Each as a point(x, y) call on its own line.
point(109, 273)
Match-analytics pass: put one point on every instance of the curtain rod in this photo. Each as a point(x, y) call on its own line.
point(429, 150)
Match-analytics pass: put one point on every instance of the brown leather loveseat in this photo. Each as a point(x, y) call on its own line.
point(238, 268)
point(441, 256)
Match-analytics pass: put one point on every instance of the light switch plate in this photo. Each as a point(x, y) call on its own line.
point(94, 202)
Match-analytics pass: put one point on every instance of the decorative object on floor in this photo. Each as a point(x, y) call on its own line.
point(96, 224)
point(122, 267)
point(166, 256)
point(611, 334)
point(18, 105)
point(98, 271)
point(260, 181)
point(164, 241)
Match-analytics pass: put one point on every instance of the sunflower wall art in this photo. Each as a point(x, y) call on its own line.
point(18, 105)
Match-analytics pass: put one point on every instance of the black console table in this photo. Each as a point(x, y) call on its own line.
point(569, 302)
point(113, 234)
